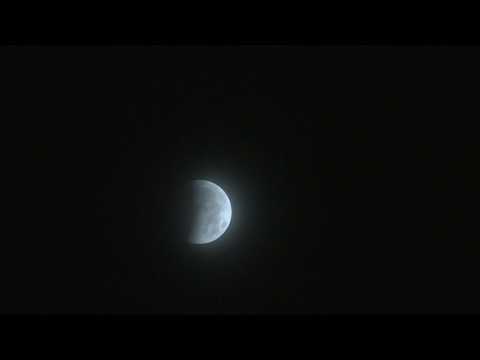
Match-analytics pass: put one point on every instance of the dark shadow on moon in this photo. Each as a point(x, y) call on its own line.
point(184, 213)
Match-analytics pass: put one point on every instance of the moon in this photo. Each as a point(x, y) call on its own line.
point(212, 212)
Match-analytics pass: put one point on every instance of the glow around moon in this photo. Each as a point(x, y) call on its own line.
point(212, 212)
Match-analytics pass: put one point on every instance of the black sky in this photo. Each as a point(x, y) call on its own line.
point(350, 171)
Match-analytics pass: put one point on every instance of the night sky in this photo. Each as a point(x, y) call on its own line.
point(350, 171)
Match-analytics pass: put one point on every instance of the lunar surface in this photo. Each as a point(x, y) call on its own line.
point(212, 212)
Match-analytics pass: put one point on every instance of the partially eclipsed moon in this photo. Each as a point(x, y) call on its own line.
point(212, 212)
